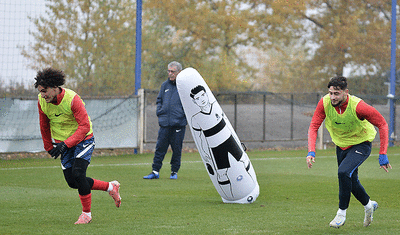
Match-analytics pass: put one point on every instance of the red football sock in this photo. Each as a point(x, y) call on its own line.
point(100, 185)
point(86, 201)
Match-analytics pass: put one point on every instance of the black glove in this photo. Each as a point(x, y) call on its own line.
point(58, 149)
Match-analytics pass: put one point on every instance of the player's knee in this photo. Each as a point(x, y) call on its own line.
point(71, 183)
point(79, 174)
point(343, 174)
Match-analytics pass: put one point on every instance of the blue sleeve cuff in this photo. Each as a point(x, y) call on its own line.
point(383, 159)
point(312, 154)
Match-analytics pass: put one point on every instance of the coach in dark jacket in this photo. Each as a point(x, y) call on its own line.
point(172, 121)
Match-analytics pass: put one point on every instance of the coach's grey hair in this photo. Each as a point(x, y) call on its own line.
point(175, 64)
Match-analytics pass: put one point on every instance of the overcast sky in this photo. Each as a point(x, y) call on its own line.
point(14, 32)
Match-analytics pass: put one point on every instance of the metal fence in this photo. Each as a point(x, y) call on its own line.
point(261, 119)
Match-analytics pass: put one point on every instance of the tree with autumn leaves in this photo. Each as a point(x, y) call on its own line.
point(273, 45)
point(92, 41)
point(350, 34)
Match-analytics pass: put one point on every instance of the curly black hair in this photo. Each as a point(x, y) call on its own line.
point(50, 77)
point(340, 82)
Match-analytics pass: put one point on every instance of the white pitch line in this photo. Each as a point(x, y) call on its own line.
point(141, 164)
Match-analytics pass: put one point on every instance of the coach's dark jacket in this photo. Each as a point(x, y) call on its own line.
point(169, 107)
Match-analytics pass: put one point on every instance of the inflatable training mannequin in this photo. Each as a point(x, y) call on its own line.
point(226, 162)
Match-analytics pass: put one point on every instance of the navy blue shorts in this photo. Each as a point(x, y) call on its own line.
point(82, 150)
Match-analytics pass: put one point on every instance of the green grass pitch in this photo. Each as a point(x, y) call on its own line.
point(35, 199)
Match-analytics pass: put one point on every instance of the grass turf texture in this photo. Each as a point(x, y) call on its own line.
point(35, 199)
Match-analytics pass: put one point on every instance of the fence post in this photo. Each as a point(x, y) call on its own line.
point(264, 115)
point(320, 138)
point(235, 119)
point(393, 137)
point(141, 124)
point(291, 115)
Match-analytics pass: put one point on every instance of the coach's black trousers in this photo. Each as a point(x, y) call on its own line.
point(169, 136)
